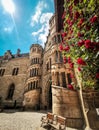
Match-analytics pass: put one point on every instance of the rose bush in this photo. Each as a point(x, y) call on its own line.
point(80, 39)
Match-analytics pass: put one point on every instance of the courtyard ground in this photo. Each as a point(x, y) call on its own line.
point(14, 120)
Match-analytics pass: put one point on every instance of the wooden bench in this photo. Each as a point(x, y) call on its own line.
point(54, 121)
point(47, 119)
point(59, 124)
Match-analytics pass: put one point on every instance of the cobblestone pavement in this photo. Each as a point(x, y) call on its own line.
point(14, 120)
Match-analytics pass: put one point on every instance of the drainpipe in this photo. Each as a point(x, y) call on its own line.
point(85, 111)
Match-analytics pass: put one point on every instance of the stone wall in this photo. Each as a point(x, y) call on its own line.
point(91, 103)
point(32, 99)
point(66, 103)
point(18, 80)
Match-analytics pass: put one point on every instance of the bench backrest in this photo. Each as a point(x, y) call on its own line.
point(61, 120)
point(50, 115)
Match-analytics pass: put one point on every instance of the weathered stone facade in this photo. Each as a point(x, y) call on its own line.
point(14, 77)
point(39, 79)
point(25, 79)
point(67, 104)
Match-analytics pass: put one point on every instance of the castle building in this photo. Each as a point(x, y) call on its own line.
point(25, 79)
point(39, 79)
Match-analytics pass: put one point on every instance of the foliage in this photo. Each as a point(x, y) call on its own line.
point(80, 45)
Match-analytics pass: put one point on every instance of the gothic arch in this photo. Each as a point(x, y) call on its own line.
point(49, 93)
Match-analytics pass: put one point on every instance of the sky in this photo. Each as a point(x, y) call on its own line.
point(24, 22)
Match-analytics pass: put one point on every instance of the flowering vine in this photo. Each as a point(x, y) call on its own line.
point(80, 39)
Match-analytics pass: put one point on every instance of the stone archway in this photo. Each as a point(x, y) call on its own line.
point(49, 94)
point(50, 97)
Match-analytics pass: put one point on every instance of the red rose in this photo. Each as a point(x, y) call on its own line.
point(97, 75)
point(64, 60)
point(61, 47)
point(80, 34)
point(80, 43)
point(64, 34)
point(71, 65)
point(68, 21)
point(70, 7)
point(69, 60)
point(80, 61)
point(67, 48)
point(77, 15)
point(93, 19)
point(81, 22)
point(89, 44)
point(79, 68)
point(70, 87)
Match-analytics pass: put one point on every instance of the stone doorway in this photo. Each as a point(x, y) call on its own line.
point(50, 97)
point(47, 94)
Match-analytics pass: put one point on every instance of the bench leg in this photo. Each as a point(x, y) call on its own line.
point(52, 128)
point(42, 124)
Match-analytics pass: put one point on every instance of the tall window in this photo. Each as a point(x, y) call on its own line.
point(59, 39)
point(35, 61)
point(54, 38)
point(69, 78)
point(63, 79)
point(61, 58)
point(11, 91)
point(56, 56)
point(32, 85)
point(57, 77)
point(2, 72)
point(15, 71)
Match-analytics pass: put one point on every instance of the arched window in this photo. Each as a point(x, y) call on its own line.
point(11, 91)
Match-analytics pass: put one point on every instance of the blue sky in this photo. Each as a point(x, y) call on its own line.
point(23, 23)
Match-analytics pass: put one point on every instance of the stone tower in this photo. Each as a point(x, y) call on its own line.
point(59, 12)
point(33, 82)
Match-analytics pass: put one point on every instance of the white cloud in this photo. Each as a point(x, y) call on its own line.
point(38, 32)
point(44, 30)
point(38, 11)
point(45, 17)
point(8, 29)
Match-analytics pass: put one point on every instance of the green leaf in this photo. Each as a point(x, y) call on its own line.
point(85, 1)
